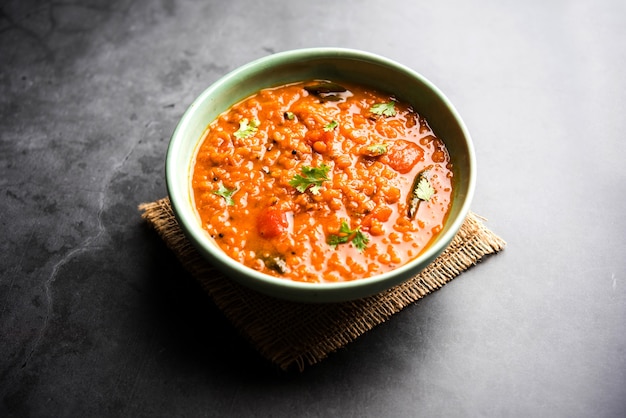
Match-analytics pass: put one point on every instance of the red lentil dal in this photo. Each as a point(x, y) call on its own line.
point(243, 182)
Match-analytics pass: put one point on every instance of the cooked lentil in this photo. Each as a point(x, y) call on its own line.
point(243, 182)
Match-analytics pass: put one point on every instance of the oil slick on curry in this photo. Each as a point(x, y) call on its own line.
point(322, 182)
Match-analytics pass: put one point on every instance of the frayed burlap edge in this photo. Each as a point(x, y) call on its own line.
point(296, 335)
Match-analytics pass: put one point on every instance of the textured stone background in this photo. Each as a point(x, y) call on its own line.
point(98, 319)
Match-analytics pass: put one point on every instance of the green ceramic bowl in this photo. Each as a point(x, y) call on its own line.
point(336, 64)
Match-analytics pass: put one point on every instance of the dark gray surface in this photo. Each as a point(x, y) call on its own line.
point(98, 319)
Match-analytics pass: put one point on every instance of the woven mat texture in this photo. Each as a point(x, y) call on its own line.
point(296, 335)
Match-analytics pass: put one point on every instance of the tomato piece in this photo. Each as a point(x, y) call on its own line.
point(404, 155)
point(313, 135)
point(271, 223)
point(380, 213)
point(316, 135)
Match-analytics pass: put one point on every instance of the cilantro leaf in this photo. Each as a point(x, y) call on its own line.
point(384, 109)
point(377, 149)
point(247, 128)
point(335, 240)
point(312, 177)
point(358, 238)
point(289, 116)
point(343, 237)
point(330, 126)
point(226, 194)
point(421, 190)
point(424, 190)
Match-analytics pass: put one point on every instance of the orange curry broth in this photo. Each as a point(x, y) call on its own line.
point(272, 227)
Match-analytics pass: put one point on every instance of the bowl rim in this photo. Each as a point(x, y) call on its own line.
point(199, 237)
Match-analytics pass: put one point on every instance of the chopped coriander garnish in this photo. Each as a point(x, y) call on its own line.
point(289, 115)
point(424, 190)
point(377, 149)
point(345, 231)
point(312, 177)
point(421, 190)
point(226, 194)
point(384, 109)
point(359, 239)
point(247, 128)
point(330, 126)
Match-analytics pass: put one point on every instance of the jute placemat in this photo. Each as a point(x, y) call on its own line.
point(296, 335)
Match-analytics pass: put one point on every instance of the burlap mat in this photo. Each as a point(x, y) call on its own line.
point(296, 335)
